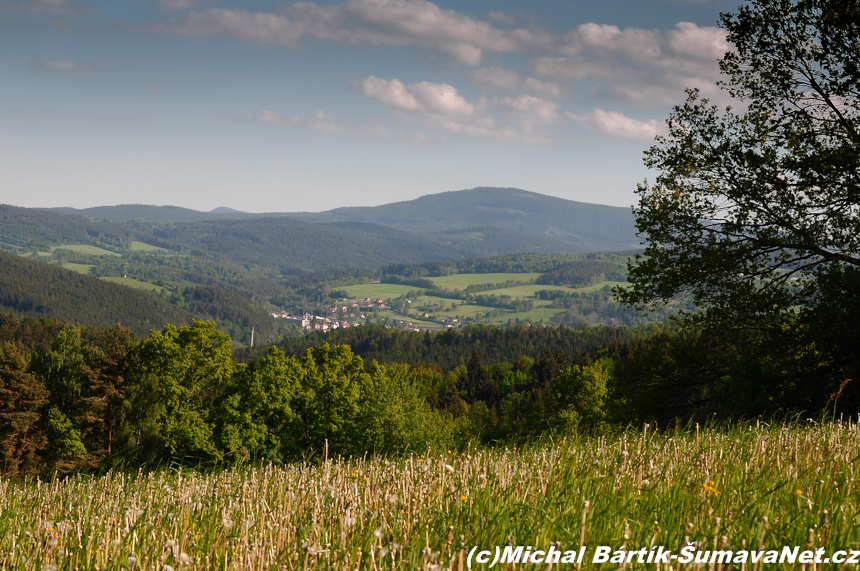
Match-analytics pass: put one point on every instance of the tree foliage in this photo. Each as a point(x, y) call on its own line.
point(752, 207)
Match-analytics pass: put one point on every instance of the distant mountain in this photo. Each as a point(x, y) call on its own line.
point(36, 289)
point(124, 212)
point(591, 226)
point(588, 227)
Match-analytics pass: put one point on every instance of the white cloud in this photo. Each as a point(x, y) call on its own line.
point(64, 65)
point(616, 124)
point(390, 92)
point(441, 98)
point(439, 106)
point(416, 23)
point(641, 67)
point(323, 122)
point(254, 27)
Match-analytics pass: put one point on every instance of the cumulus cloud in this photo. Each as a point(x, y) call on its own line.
point(616, 124)
point(254, 27)
point(323, 122)
point(416, 23)
point(641, 67)
point(64, 65)
point(440, 106)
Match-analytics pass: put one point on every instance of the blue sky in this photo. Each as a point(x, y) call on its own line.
point(283, 106)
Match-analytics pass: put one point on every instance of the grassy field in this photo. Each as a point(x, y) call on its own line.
point(756, 487)
point(460, 281)
point(82, 268)
point(136, 246)
point(378, 291)
point(86, 249)
point(131, 282)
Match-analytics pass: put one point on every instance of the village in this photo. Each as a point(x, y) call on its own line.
point(344, 315)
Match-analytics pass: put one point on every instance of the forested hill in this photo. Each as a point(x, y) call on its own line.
point(31, 288)
point(609, 227)
point(475, 222)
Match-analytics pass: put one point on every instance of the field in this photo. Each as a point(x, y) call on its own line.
point(136, 246)
point(541, 311)
point(461, 281)
point(378, 291)
point(759, 486)
point(86, 249)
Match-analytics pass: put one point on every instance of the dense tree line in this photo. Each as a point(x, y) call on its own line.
point(75, 398)
point(453, 348)
point(585, 272)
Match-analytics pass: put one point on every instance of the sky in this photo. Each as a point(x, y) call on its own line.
point(268, 106)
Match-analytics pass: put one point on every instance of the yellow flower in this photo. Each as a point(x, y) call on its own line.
point(464, 498)
point(799, 492)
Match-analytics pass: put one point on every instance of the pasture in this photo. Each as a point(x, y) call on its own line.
point(750, 486)
point(136, 246)
point(85, 249)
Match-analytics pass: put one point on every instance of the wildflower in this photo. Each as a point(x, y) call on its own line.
point(463, 498)
point(167, 568)
point(449, 467)
point(227, 522)
point(377, 533)
point(184, 559)
point(799, 492)
point(131, 562)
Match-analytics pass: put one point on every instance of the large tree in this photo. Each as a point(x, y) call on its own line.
point(751, 206)
point(754, 214)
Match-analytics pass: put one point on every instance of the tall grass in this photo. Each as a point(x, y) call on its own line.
point(751, 484)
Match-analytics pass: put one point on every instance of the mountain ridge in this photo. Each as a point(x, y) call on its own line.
point(589, 226)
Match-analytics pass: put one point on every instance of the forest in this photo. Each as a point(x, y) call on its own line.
point(78, 398)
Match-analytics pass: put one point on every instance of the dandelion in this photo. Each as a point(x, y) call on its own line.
point(449, 467)
point(184, 559)
point(799, 492)
point(131, 562)
point(377, 533)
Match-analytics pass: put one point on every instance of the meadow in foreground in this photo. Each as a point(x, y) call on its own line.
point(748, 485)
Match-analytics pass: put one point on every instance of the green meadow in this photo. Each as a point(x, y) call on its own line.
point(86, 249)
point(746, 487)
point(136, 246)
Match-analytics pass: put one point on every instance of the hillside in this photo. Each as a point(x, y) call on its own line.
point(595, 225)
point(36, 289)
point(448, 216)
point(124, 212)
point(31, 227)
